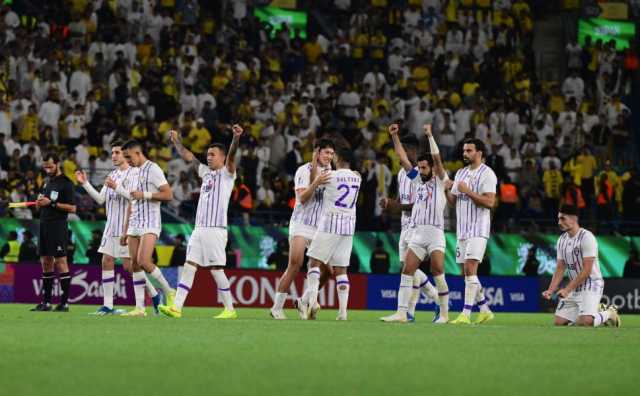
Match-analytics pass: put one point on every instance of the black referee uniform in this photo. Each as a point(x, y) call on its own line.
point(54, 234)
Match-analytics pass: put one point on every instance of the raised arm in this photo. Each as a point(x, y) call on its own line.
point(186, 155)
point(99, 197)
point(235, 142)
point(397, 145)
point(438, 167)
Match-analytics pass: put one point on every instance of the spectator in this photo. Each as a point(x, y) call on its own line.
point(28, 249)
point(380, 261)
point(532, 264)
point(10, 251)
point(279, 259)
point(552, 180)
point(95, 257)
point(632, 266)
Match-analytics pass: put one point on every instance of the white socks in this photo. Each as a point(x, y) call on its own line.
point(471, 288)
point(443, 295)
point(184, 286)
point(108, 279)
point(404, 292)
point(224, 288)
point(139, 281)
point(601, 318)
point(480, 300)
point(342, 288)
point(157, 275)
point(278, 301)
point(313, 285)
point(150, 288)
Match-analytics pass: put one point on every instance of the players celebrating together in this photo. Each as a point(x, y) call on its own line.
point(323, 223)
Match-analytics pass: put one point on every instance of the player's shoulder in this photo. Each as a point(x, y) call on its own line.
point(304, 168)
point(587, 235)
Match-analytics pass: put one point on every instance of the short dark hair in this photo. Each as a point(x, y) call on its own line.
point(51, 156)
point(571, 210)
point(323, 144)
point(220, 147)
point(132, 144)
point(426, 157)
point(479, 144)
point(345, 155)
point(117, 143)
point(410, 140)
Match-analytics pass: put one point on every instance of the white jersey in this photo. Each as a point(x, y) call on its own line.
point(215, 192)
point(115, 203)
point(473, 221)
point(339, 203)
point(145, 213)
point(406, 193)
point(573, 251)
point(429, 204)
point(309, 212)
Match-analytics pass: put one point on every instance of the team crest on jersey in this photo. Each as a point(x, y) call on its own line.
point(208, 186)
point(576, 251)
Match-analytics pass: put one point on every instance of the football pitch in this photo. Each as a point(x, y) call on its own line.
point(74, 353)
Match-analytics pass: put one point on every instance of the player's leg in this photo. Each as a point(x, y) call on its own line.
point(566, 312)
point(471, 282)
point(64, 277)
point(475, 251)
point(340, 262)
point(145, 259)
point(591, 315)
point(303, 302)
point(224, 290)
point(297, 246)
point(48, 274)
point(437, 271)
point(108, 280)
point(313, 282)
point(413, 258)
point(138, 275)
point(187, 277)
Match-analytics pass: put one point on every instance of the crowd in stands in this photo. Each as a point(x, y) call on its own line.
point(77, 74)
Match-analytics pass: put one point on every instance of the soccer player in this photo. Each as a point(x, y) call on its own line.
point(143, 223)
point(116, 203)
point(333, 241)
point(427, 228)
point(473, 192)
point(207, 245)
point(310, 180)
point(55, 203)
point(406, 197)
point(577, 252)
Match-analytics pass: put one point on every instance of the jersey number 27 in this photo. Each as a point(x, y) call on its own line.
point(347, 190)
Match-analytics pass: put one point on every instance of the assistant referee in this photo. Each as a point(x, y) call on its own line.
point(55, 202)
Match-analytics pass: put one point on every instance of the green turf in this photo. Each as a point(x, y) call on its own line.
point(73, 354)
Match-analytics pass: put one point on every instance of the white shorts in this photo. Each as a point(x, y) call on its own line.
point(138, 232)
point(470, 249)
point(303, 230)
point(584, 303)
point(207, 247)
point(403, 243)
point(331, 249)
point(111, 247)
point(426, 239)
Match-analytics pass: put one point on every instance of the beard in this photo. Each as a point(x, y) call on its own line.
point(427, 177)
point(466, 160)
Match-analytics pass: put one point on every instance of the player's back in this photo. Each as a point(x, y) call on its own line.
point(339, 202)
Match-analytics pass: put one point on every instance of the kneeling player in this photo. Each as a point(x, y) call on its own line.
point(209, 239)
point(333, 241)
point(578, 254)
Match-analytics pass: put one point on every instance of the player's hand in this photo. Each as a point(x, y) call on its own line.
point(322, 178)
point(43, 202)
point(174, 136)
point(463, 188)
point(547, 294)
point(394, 129)
point(109, 182)
point(81, 177)
point(137, 195)
point(427, 130)
point(564, 293)
point(123, 240)
point(384, 203)
point(237, 130)
point(448, 184)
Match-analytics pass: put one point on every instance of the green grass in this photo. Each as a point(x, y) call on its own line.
point(77, 354)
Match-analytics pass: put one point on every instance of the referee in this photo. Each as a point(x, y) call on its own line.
point(55, 202)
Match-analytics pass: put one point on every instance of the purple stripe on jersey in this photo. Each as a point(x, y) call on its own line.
point(183, 286)
point(217, 207)
point(331, 222)
point(109, 280)
point(147, 202)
